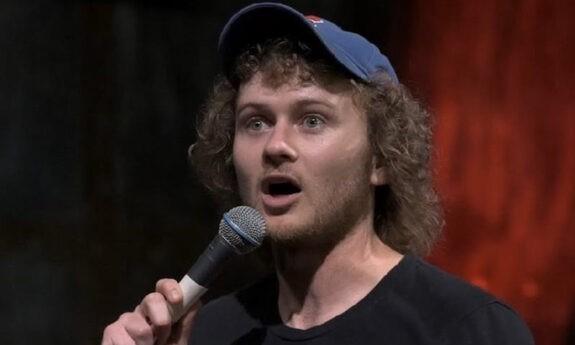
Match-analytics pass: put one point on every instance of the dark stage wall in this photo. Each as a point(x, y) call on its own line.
point(97, 110)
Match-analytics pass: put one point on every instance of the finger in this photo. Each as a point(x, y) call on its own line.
point(116, 334)
point(170, 289)
point(159, 332)
point(155, 308)
point(138, 329)
point(106, 338)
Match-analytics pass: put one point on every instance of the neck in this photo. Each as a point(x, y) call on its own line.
point(320, 282)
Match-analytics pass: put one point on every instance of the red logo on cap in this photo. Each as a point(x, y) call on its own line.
point(314, 19)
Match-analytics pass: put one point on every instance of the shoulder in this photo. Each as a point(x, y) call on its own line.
point(433, 291)
point(456, 311)
point(494, 323)
point(443, 290)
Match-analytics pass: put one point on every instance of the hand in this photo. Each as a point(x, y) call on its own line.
point(151, 322)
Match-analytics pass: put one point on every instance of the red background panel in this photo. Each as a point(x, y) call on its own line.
point(499, 79)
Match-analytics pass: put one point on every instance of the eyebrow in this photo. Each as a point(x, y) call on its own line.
point(298, 104)
point(256, 105)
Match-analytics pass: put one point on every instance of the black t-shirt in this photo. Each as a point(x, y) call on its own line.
point(415, 303)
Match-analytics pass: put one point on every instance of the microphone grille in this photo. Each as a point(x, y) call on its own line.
point(244, 228)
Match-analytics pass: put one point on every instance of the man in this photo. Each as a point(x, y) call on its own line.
point(312, 128)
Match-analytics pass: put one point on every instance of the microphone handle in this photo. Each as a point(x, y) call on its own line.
point(206, 268)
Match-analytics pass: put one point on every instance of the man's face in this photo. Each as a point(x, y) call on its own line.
point(302, 158)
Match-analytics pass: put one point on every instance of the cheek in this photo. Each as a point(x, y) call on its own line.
point(239, 168)
point(244, 166)
point(339, 161)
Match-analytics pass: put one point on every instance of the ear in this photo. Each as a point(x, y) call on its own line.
point(377, 177)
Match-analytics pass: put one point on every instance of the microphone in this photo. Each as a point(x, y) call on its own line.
point(242, 229)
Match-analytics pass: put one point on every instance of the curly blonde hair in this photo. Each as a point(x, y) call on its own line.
point(408, 215)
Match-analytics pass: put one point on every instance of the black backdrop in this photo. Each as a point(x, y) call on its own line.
point(97, 110)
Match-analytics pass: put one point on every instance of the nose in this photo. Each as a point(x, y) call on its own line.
point(280, 146)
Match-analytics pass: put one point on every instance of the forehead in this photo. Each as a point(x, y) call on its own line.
point(259, 88)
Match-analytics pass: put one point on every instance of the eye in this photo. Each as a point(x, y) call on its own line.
point(256, 124)
point(313, 121)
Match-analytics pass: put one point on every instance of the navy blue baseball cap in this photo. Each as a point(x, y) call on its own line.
point(258, 22)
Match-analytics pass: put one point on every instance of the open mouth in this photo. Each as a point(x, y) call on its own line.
point(280, 186)
point(285, 188)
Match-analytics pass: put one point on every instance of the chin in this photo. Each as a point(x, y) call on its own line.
point(280, 229)
point(301, 236)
